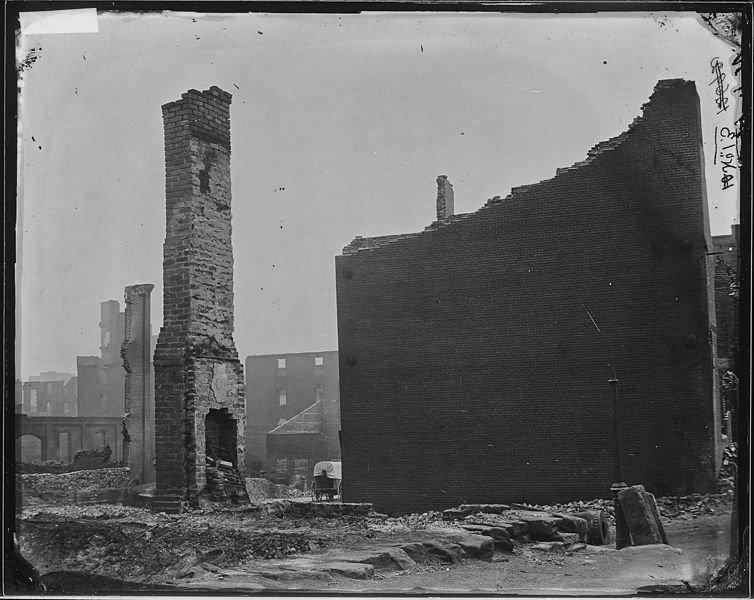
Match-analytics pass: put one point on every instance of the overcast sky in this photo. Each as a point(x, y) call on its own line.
point(339, 126)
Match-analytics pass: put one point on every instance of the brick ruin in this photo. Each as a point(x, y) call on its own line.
point(138, 422)
point(199, 384)
point(475, 355)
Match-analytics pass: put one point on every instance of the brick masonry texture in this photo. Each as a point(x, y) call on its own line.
point(474, 355)
point(196, 363)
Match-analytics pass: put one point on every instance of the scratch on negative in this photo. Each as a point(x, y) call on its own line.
point(592, 319)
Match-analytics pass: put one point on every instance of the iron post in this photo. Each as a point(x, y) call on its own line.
point(622, 536)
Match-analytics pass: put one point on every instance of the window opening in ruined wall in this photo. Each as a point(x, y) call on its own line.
point(220, 431)
point(282, 397)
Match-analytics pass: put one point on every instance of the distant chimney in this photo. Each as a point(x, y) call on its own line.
point(444, 198)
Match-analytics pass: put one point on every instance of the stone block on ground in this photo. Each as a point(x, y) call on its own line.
point(444, 551)
point(291, 575)
point(573, 524)
point(652, 502)
point(567, 538)
point(352, 570)
point(639, 516)
point(549, 546)
point(500, 536)
point(514, 527)
point(388, 559)
point(415, 550)
point(474, 545)
point(541, 526)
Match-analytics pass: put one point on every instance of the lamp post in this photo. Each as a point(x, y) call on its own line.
point(622, 536)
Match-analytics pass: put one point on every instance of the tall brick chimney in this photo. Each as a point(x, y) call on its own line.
point(199, 387)
point(444, 198)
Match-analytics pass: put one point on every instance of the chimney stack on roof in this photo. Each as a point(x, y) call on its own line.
point(444, 198)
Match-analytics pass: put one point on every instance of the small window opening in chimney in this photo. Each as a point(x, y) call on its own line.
point(204, 181)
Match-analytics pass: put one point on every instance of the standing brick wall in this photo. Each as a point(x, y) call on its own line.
point(137, 362)
point(196, 363)
point(474, 356)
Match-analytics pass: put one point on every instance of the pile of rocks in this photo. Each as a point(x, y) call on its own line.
point(509, 526)
point(71, 487)
point(260, 489)
point(694, 505)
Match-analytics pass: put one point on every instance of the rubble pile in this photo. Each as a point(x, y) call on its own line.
point(694, 505)
point(413, 522)
point(69, 487)
point(260, 489)
point(135, 544)
point(728, 468)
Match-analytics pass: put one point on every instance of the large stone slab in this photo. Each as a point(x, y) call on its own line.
point(573, 524)
point(541, 525)
point(351, 570)
point(444, 551)
point(650, 498)
point(639, 515)
point(514, 527)
point(500, 536)
point(473, 545)
point(415, 550)
point(385, 558)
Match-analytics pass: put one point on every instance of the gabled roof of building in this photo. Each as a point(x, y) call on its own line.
point(308, 420)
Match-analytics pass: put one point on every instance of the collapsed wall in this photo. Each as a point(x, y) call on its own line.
point(474, 356)
point(199, 387)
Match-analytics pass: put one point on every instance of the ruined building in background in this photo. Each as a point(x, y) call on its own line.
point(475, 355)
point(101, 379)
point(136, 352)
point(279, 387)
point(199, 391)
point(296, 445)
point(50, 394)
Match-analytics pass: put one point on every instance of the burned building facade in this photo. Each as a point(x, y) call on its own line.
point(101, 379)
point(475, 355)
point(279, 387)
point(199, 389)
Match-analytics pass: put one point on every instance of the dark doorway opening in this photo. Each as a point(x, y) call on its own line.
point(221, 436)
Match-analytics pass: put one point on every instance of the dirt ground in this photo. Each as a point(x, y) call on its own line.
point(113, 548)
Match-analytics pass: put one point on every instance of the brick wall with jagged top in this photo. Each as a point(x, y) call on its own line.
point(474, 356)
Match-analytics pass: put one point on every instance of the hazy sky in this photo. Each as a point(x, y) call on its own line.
point(339, 126)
